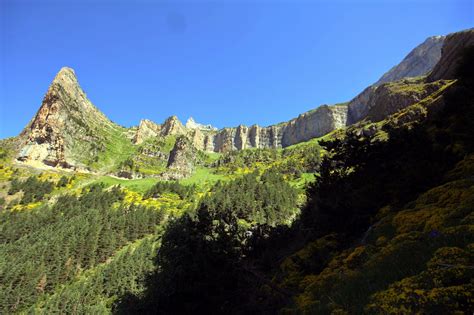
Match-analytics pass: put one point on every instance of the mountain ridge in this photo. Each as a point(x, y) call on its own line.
point(69, 131)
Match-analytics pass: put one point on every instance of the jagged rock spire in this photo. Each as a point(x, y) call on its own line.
point(64, 131)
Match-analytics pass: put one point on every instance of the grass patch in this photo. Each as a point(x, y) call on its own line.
point(118, 148)
point(203, 176)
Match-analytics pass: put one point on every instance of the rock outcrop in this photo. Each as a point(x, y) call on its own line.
point(309, 125)
point(419, 61)
point(181, 160)
point(172, 127)
point(192, 124)
point(68, 129)
point(451, 54)
point(146, 130)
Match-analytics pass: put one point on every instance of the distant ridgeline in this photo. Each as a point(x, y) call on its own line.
point(68, 131)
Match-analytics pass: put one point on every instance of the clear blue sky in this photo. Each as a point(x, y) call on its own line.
point(222, 62)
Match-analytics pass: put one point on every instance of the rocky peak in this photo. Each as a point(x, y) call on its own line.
point(64, 130)
point(146, 130)
point(419, 61)
point(172, 126)
point(451, 54)
point(192, 124)
point(65, 76)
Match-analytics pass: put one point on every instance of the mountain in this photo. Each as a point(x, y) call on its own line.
point(451, 55)
point(68, 130)
point(373, 218)
point(326, 118)
point(419, 61)
point(387, 227)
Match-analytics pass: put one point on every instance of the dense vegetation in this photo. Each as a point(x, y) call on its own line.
point(184, 192)
point(202, 257)
point(32, 188)
point(51, 245)
point(292, 161)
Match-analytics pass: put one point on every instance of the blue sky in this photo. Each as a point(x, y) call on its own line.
point(222, 62)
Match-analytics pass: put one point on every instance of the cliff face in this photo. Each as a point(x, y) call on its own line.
point(419, 61)
point(68, 129)
point(451, 54)
point(389, 98)
point(309, 125)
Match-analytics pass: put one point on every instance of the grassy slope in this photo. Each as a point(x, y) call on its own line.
point(118, 148)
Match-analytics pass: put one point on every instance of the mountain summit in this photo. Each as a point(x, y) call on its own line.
point(68, 130)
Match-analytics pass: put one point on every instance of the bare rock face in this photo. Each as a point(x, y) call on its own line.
point(191, 124)
point(419, 61)
point(146, 130)
point(312, 124)
point(172, 126)
point(65, 130)
point(451, 54)
point(181, 160)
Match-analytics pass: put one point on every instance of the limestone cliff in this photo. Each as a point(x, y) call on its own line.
point(147, 129)
point(172, 126)
point(309, 125)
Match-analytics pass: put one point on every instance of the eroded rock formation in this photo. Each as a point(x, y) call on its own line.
point(181, 159)
point(67, 129)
